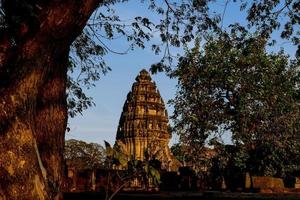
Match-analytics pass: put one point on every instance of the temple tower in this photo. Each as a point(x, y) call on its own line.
point(143, 124)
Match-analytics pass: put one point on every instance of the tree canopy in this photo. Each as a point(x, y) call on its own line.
point(234, 87)
point(84, 155)
point(179, 23)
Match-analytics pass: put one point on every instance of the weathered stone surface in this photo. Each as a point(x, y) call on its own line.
point(264, 182)
point(143, 124)
point(267, 182)
point(247, 181)
point(297, 182)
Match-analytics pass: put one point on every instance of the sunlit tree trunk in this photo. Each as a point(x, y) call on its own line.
point(50, 124)
point(33, 109)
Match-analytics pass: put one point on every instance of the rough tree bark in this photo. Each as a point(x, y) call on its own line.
point(33, 109)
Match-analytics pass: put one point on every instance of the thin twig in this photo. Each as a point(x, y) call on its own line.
point(169, 6)
point(280, 10)
point(224, 11)
point(106, 47)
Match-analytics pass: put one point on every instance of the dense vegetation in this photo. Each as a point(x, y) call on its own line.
point(233, 88)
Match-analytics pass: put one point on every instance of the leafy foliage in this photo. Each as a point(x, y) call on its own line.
point(178, 152)
point(143, 170)
point(176, 23)
point(235, 87)
point(268, 16)
point(84, 155)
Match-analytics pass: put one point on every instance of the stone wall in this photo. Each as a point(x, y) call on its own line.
point(263, 182)
point(297, 182)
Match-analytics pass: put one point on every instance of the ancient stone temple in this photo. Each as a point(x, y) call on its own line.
point(143, 124)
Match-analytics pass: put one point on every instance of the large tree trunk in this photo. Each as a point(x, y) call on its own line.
point(33, 109)
point(51, 122)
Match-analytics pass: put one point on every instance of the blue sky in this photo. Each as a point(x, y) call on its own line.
point(100, 123)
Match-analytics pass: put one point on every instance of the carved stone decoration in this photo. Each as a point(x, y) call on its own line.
point(145, 112)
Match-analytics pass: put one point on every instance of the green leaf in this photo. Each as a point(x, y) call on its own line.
point(155, 174)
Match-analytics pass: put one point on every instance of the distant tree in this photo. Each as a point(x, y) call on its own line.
point(182, 152)
point(82, 156)
point(233, 86)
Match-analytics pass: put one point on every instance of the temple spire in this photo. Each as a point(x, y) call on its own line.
point(143, 76)
point(143, 124)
